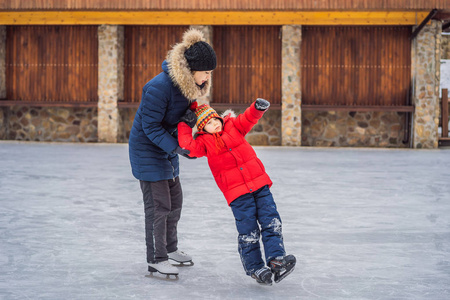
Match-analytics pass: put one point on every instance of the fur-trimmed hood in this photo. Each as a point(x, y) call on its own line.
point(179, 70)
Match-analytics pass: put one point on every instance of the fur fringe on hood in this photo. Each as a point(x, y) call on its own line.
point(229, 112)
point(179, 70)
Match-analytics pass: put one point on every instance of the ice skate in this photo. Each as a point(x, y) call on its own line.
point(181, 258)
point(263, 276)
point(163, 267)
point(282, 266)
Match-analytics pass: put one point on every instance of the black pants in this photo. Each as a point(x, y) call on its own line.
point(162, 205)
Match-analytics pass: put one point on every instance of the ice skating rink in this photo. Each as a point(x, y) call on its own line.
point(363, 224)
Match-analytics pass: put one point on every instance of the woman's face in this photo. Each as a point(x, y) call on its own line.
point(213, 126)
point(201, 77)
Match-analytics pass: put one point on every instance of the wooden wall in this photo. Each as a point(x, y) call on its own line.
point(52, 63)
point(146, 48)
point(249, 64)
point(341, 65)
point(354, 65)
point(224, 4)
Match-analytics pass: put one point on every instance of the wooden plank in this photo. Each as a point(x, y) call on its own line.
point(345, 65)
point(142, 59)
point(357, 108)
point(202, 17)
point(444, 113)
point(46, 103)
point(248, 69)
point(52, 63)
point(221, 5)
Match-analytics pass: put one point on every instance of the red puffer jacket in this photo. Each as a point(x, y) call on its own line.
point(236, 168)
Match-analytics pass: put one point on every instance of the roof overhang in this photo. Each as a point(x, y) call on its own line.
point(212, 17)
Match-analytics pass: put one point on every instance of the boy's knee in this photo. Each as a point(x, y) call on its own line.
point(251, 238)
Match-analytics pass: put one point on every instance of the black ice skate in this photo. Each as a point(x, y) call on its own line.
point(263, 276)
point(282, 266)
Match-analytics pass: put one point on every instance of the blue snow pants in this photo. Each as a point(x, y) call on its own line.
point(249, 210)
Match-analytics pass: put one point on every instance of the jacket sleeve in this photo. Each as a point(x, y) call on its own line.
point(245, 121)
point(154, 105)
point(197, 148)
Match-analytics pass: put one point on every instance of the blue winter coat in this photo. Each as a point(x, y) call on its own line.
point(153, 137)
point(165, 98)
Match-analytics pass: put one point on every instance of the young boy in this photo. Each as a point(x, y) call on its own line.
point(241, 177)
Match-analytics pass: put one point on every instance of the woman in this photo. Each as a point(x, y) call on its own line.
point(154, 149)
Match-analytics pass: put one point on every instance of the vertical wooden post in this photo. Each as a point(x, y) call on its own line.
point(445, 113)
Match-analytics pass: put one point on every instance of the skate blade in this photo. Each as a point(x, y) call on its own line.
point(162, 277)
point(283, 275)
point(263, 283)
point(181, 263)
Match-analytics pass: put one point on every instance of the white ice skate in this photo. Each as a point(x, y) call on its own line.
point(181, 258)
point(163, 267)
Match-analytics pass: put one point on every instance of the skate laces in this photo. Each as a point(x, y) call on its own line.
point(179, 252)
point(277, 261)
point(261, 271)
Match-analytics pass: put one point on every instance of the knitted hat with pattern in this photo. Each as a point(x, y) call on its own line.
point(205, 113)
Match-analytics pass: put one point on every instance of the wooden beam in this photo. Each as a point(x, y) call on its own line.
point(424, 22)
point(357, 108)
point(445, 26)
point(46, 104)
point(212, 17)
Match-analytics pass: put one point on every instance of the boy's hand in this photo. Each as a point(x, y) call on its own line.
point(262, 104)
point(183, 152)
point(189, 118)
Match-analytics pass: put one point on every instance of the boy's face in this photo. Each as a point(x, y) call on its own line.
point(213, 126)
point(201, 77)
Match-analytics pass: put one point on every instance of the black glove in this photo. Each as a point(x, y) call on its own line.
point(262, 104)
point(183, 152)
point(189, 118)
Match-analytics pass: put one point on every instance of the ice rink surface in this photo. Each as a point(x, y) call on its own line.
point(363, 224)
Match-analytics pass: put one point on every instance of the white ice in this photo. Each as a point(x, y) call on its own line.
point(363, 224)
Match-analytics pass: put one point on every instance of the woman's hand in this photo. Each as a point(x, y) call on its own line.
point(180, 151)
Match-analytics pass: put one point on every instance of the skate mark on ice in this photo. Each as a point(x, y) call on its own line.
point(306, 290)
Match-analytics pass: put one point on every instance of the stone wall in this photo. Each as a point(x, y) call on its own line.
point(445, 46)
point(426, 66)
point(291, 122)
point(267, 132)
point(3, 112)
point(110, 81)
point(50, 124)
point(353, 129)
point(127, 118)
